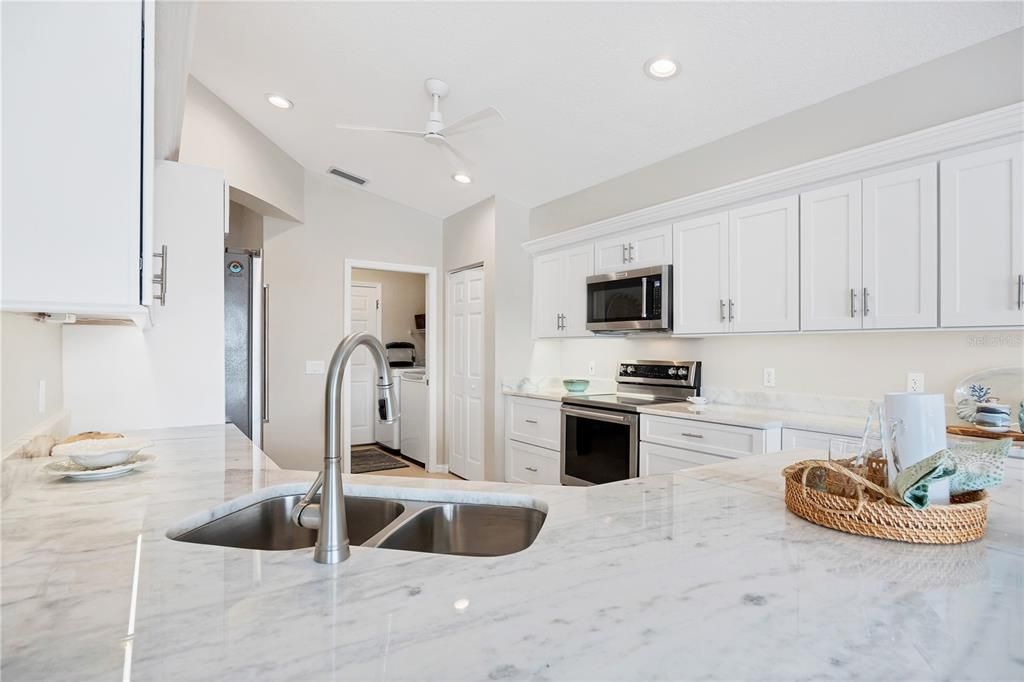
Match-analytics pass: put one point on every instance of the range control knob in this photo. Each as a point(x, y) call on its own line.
point(671, 371)
point(629, 369)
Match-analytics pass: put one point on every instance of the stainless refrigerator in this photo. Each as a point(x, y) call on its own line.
point(245, 342)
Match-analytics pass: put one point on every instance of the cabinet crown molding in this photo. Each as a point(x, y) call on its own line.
point(984, 127)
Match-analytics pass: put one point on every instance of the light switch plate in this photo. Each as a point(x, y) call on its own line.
point(769, 376)
point(41, 397)
point(591, 368)
point(314, 366)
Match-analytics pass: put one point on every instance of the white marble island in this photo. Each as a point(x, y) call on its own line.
point(698, 574)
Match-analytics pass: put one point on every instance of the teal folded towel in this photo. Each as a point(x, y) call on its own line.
point(979, 466)
point(912, 483)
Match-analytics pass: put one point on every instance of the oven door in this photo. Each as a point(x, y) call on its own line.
point(634, 300)
point(598, 446)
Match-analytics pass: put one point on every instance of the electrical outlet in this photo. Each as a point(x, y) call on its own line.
point(41, 397)
point(769, 376)
point(314, 366)
point(915, 382)
point(591, 369)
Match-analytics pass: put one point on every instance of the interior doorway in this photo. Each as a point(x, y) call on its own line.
point(364, 304)
point(464, 404)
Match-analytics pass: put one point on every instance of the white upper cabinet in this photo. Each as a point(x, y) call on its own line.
point(982, 239)
point(560, 292)
point(764, 275)
point(901, 251)
point(700, 276)
point(641, 248)
point(77, 145)
point(830, 258)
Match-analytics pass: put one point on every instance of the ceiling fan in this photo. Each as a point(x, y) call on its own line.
point(436, 132)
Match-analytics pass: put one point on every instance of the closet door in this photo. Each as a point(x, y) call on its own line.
point(982, 238)
point(764, 267)
point(700, 275)
point(901, 249)
point(830, 258)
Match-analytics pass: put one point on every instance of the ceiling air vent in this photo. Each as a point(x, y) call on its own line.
point(334, 170)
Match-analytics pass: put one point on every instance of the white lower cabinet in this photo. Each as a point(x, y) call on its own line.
point(673, 443)
point(533, 435)
point(813, 440)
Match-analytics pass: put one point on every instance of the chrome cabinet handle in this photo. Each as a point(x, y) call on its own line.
point(731, 306)
point(692, 435)
point(1020, 292)
point(533, 469)
point(721, 310)
point(631, 256)
point(530, 421)
point(853, 303)
point(866, 311)
point(266, 353)
point(160, 279)
point(625, 254)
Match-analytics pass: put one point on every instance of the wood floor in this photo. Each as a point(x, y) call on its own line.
point(414, 470)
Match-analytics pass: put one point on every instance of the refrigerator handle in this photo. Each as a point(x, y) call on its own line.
point(266, 353)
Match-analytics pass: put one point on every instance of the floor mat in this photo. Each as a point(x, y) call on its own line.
point(367, 459)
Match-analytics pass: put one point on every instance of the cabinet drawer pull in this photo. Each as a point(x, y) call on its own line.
point(1020, 292)
point(530, 421)
point(721, 310)
point(692, 435)
point(732, 305)
point(533, 469)
point(866, 311)
point(625, 254)
point(853, 303)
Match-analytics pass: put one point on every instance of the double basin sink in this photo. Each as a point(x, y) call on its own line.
point(414, 525)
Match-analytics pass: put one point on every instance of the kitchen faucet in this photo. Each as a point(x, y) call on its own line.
point(329, 515)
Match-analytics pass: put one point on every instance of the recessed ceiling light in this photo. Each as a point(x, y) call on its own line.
point(660, 68)
point(462, 178)
point(279, 101)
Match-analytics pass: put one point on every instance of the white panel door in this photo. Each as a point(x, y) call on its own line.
point(365, 318)
point(982, 237)
point(466, 368)
point(700, 275)
point(578, 265)
point(764, 267)
point(548, 280)
point(650, 247)
point(830, 257)
point(612, 254)
point(901, 249)
point(72, 138)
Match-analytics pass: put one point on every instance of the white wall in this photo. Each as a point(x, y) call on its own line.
point(403, 296)
point(305, 271)
point(979, 78)
point(118, 378)
point(30, 352)
point(262, 176)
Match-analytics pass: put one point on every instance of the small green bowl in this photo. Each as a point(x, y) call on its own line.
point(575, 385)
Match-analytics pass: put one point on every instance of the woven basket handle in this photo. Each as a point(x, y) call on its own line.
point(862, 483)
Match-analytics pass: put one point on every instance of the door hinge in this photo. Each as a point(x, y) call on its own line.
point(140, 264)
point(378, 304)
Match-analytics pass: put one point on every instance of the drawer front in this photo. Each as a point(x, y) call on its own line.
point(531, 464)
point(529, 420)
point(661, 459)
point(712, 439)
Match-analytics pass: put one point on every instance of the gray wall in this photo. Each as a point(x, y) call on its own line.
point(976, 79)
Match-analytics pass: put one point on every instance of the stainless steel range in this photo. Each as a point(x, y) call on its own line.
point(601, 433)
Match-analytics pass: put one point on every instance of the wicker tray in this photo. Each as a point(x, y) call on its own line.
point(854, 499)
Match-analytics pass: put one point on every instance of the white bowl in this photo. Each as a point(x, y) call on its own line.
point(101, 453)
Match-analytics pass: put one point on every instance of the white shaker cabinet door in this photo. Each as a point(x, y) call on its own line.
point(700, 275)
point(901, 249)
point(764, 267)
point(578, 264)
point(612, 254)
point(830, 258)
point(650, 247)
point(982, 239)
point(548, 277)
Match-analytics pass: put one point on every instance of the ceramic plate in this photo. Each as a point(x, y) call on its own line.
point(65, 468)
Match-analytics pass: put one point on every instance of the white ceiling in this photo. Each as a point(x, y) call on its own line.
point(567, 76)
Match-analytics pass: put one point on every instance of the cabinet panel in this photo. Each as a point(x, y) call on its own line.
point(660, 459)
point(830, 258)
point(579, 264)
point(651, 247)
point(982, 237)
point(534, 421)
point(814, 440)
point(611, 254)
point(706, 437)
point(72, 129)
point(547, 298)
point(531, 464)
point(901, 249)
point(700, 275)
point(764, 276)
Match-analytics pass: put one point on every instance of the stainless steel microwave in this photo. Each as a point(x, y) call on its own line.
point(630, 301)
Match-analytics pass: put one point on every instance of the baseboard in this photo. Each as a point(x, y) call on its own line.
point(56, 425)
point(438, 468)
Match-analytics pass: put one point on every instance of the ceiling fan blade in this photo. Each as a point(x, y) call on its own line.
point(458, 161)
point(480, 119)
point(370, 129)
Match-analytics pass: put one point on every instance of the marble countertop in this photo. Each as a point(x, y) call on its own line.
point(762, 418)
point(697, 574)
point(544, 394)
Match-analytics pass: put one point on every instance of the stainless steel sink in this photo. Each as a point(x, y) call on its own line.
point(268, 524)
point(413, 525)
point(467, 529)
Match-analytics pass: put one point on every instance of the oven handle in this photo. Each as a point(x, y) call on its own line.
point(600, 415)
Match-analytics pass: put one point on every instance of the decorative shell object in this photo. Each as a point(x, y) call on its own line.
point(1001, 385)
